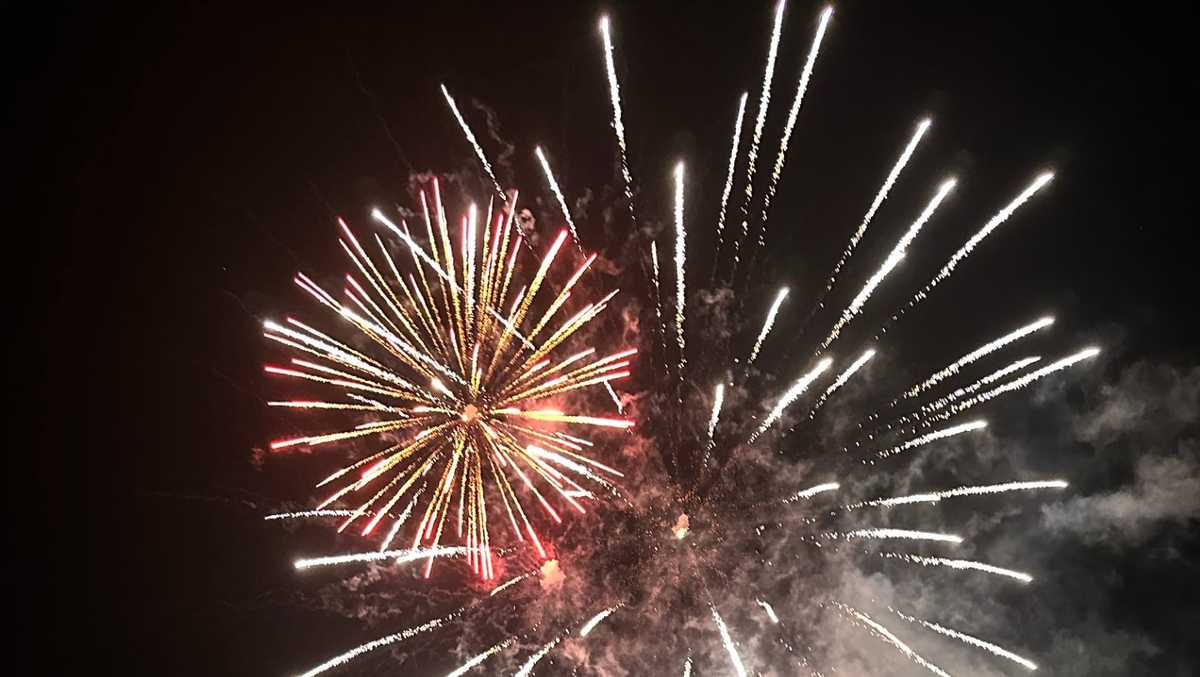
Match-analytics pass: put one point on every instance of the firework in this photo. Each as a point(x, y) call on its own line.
point(480, 431)
point(461, 372)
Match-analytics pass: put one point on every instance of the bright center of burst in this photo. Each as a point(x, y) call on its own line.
point(470, 414)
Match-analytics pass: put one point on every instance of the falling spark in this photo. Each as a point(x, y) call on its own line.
point(1000, 217)
point(687, 667)
point(962, 564)
point(397, 556)
point(718, 400)
point(760, 119)
point(933, 436)
point(813, 491)
point(308, 513)
point(973, 641)
point(511, 582)
point(841, 380)
point(727, 640)
point(480, 658)
point(487, 166)
point(618, 124)
point(680, 252)
point(658, 304)
point(595, 620)
point(770, 322)
point(790, 396)
point(887, 636)
point(981, 351)
point(893, 259)
point(908, 534)
point(737, 138)
point(770, 611)
point(562, 202)
point(959, 393)
point(793, 113)
point(901, 162)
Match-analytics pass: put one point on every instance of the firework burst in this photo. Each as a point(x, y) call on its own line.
point(719, 519)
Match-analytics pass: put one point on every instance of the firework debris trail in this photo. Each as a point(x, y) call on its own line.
point(727, 640)
point(904, 534)
point(964, 251)
point(767, 324)
point(793, 114)
point(658, 304)
point(937, 496)
point(718, 401)
point(760, 119)
point(680, 258)
point(961, 564)
point(893, 259)
point(972, 641)
point(733, 153)
point(558, 195)
point(618, 123)
point(813, 491)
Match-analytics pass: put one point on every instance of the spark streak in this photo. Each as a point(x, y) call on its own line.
point(480, 658)
point(767, 324)
point(930, 437)
point(962, 564)
point(618, 124)
point(537, 656)
point(718, 400)
point(936, 496)
point(790, 396)
point(770, 611)
point(907, 534)
point(964, 251)
point(487, 166)
point(760, 119)
point(727, 640)
point(596, 620)
point(813, 491)
point(680, 255)
point(841, 380)
point(893, 259)
point(974, 355)
point(733, 151)
point(558, 195)
point(397, 556)
point(342, 659)
point(973, 641)
point(886, 635)
point(793, 113)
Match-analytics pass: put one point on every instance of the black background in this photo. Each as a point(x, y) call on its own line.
point(179, 163)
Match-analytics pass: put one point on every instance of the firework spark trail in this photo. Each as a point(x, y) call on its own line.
point(597, 619)
point(968, 639)
point(999, 218)
point(906, 534)
point(841, 380)
point(933, 436)
point(767, 324)
point(401, 520)
point(718, 401)
point(793, 113)
point(1015, 384)
point(733, 151)
point(357, 651)
point(962, 564)
point(558, 195)
point(511, 582)
point(481, 657)
point(769, 609)
point(527, 668)
point(886, 635)
point(760, 119)
point(982, 490)
point(618, 124)
point(901, 162)
point(813, 491)
point(980, 352)
point(889, 264)
point(687, 667)
point(397, 556)
point(727, 640)
point(680, 257)
point(658, 304)
point(487, 166)
point(790, 396)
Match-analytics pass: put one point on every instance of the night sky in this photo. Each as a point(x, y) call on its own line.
point(180, 164)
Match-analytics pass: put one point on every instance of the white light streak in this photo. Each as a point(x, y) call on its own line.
point(768, 323)
point(790, 396)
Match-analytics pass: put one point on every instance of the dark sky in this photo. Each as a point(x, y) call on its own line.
point(180, 163)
